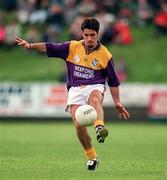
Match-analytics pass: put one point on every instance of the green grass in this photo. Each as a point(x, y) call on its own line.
point(51, 151)
point(21, 65)
point(145, 59)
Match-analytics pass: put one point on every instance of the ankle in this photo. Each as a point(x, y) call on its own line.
point(98, 123)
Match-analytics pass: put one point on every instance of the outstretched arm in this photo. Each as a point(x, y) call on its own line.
point(36, 46)
point(123, 113)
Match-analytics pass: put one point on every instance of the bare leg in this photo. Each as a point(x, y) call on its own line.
point(95, 99)
point(85, 140)
point(82, 132)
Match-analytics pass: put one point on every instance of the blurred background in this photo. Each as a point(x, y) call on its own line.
point(37, 137)
point(135, 31)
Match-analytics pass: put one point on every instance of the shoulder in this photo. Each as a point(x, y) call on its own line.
point(75, 46)
point(106, 53)
point(74, 43)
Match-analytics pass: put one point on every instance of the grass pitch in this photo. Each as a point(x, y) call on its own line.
point(51, 151)
point(145, 60)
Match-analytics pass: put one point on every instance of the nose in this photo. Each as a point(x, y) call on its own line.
point(89, 38)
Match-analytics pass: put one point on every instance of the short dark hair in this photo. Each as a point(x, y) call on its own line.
point(90, 23)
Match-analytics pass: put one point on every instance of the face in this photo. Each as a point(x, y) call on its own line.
point(90, 38)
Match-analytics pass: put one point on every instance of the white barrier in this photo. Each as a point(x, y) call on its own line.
point(135, 94)
point(49, 100)
point(32, 100)
point(158, 105)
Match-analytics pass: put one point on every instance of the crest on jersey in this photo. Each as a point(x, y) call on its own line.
point(95, 62)
point(76, 58)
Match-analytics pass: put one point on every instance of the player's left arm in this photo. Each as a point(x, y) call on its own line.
point(123, 113)
point(114, 83)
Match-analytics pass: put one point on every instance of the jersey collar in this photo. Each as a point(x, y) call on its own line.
point(96, 48)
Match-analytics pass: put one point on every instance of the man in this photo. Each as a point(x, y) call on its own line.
point(89, 65)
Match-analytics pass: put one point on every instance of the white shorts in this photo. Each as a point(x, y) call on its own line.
point(80, 94)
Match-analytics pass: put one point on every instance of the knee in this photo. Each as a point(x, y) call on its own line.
point(94, 101)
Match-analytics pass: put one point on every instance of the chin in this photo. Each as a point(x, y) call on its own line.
point(90, 46)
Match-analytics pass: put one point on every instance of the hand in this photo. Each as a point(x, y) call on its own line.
point(22, 42)
point(123, 113)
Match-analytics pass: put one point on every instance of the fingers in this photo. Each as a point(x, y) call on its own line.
point(18, 40)
point(22, 42)
point(123, 113)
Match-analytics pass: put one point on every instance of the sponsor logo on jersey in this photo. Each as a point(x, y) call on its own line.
point(95, 62)
point(83, 72)
point(76, 58)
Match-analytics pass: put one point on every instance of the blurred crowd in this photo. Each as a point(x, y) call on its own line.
point(54, 20)
point(54, 16)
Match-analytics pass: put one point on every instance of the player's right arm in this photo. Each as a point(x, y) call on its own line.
point(41, 47)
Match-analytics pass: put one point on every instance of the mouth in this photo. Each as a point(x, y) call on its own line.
point(89, 42)
point(90, 46)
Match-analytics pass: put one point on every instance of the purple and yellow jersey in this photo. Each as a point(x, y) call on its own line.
point(83, 68)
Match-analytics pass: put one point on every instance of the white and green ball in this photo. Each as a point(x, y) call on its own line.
point(85, 115)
